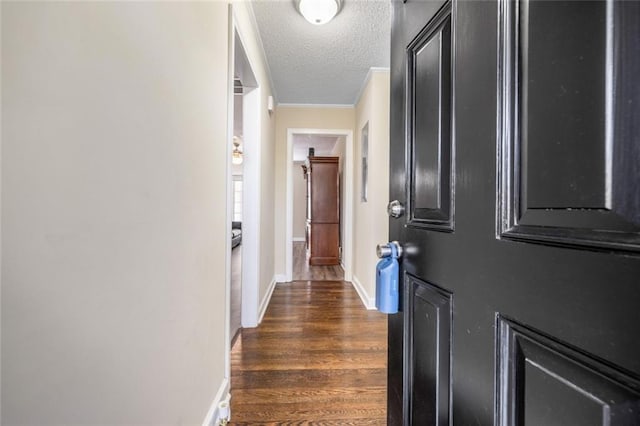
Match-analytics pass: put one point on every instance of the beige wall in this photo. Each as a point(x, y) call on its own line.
point(267, 148)
point(299, 200)
point(371, 225)
point(114, 145)
point(301, 118)
point(339, 150)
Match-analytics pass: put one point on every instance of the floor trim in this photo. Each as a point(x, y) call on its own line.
point(367, 301)
point(221, 395)
point(267, 299)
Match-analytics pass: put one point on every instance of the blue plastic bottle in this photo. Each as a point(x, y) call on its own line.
point(387, 287)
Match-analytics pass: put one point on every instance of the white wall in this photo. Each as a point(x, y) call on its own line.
point(339, 150)
point(266, 204)
point(1, 68)
point(114, 144)
point(371, 224)
point(299, 200)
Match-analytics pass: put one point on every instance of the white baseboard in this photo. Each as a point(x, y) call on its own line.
point(221, 395)
point(348, 276)
point(367, 301)
point(267, 298)
point(298, 239)
point(280, 278)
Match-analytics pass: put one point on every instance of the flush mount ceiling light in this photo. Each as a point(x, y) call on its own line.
point(318, 12)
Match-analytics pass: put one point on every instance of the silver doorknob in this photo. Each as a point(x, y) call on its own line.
point(384, 250)
point(395, 209)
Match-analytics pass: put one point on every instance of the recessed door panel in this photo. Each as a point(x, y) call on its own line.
point(545, 382)
point(429, 353)
point(563, 126)
point(429, 58)
point(569, 158)
point(427, 147)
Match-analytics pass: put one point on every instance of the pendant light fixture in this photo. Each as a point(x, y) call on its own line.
point(236, 155)
point(318, 12)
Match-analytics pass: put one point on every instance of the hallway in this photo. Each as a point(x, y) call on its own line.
point(318, 356)
point(302, 271)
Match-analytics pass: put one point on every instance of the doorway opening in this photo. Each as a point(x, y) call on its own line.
point(243, 186)
point(329, 143)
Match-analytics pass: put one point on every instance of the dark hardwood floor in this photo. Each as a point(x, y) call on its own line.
point(302, 271)
point(318, 357)
point(236, 291)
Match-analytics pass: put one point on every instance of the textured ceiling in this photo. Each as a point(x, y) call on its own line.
point(323, 64)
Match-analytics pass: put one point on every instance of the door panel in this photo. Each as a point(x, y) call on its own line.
point(561, 128)
point(547, 383)
point(412, 16)
point(429, 374)
point(429, 80)
point(561, 107)
point(544, 261)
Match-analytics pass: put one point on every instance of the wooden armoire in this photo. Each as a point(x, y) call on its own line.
point(322, 232)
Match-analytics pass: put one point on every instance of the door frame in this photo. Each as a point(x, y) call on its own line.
point(348, 167)
point(250, 191)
